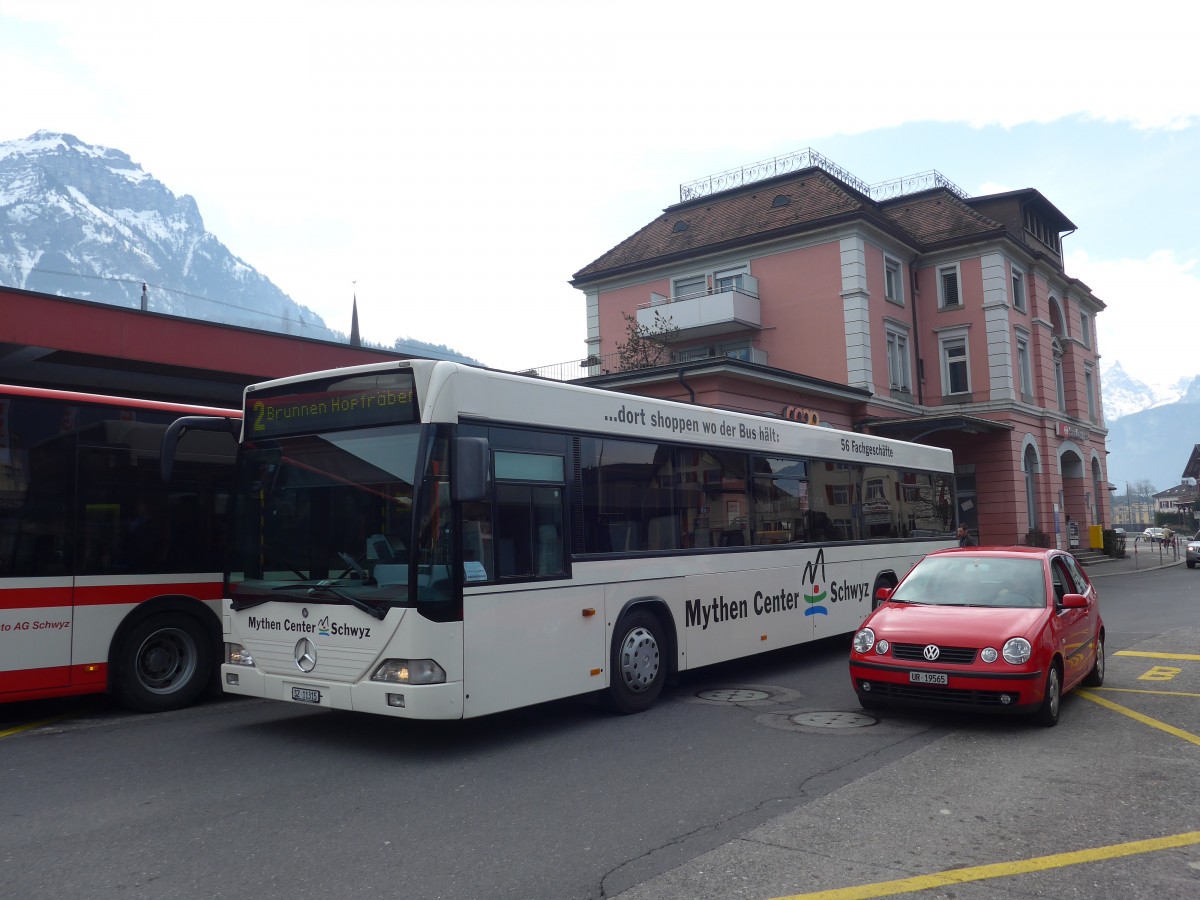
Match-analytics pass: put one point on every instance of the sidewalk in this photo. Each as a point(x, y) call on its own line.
point(1138, 558)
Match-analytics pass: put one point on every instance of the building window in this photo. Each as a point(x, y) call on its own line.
point(1090, 380)
point(1031, 467)
point(955, 366)
point(893, 284)
point(1018, 289)
point(1024, 369)
point(688, 286)
point(897, 355)
point(1059, 386)
point(948, 293)
point(729, 279)
point(1085, 329)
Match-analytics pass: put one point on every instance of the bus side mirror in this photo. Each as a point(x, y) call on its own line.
point(469, 477)
point(170, 439)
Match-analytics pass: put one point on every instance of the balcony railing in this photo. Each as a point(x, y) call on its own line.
point(610, 364)
point(705, 313)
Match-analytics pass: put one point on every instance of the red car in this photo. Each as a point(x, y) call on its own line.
point(1005, 629)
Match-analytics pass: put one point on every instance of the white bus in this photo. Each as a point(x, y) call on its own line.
point(431, 540)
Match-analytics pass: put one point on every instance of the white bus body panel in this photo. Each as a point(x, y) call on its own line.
point(36, 637)
point(349, 646)
point(532, 643)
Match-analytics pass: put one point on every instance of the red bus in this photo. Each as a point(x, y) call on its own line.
point(110, 577)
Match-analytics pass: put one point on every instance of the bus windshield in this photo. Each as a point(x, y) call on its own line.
point(326, 516)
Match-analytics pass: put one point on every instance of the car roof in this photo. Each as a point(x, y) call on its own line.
point(997, 552)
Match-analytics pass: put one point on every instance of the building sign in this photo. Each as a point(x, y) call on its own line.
point(1074, 432)
point(801, 414)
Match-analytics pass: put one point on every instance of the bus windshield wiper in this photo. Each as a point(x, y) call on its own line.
point(369, 608)
point(247, 604)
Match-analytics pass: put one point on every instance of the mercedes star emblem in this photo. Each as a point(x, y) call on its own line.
point(306, 655)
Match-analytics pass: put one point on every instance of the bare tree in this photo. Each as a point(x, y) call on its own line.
point(646, 345)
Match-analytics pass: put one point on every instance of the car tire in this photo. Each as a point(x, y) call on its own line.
point(1095, 678)
point(871, 703)
point(1047, 713)
point(1190, 564)
point(637, 663)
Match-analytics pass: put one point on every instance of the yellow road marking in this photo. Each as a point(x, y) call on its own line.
point(1000, 870)
point(1146, 654)
point(17, 729)
point(1145, 720)
point(1142, 691)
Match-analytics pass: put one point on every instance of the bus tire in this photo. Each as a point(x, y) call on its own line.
point(164, 662)
point(637, 664)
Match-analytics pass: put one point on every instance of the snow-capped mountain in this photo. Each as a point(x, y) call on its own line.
point(1123, 394)
point(86, 221)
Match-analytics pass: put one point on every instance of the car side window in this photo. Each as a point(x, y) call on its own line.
point(1077, 576)
point(1061, 580)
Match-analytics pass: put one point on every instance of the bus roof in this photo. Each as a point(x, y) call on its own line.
point(452, 392)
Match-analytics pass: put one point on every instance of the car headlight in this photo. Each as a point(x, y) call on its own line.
point(237, 655)
point(410, 671)
point(989, 655)
point(864, 640)
point(1016, 651)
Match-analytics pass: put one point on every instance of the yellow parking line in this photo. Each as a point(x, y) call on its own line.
point(1147, 654)
point(17, 729)
point(1000, 870)
point(1145, 720)
point(1156, 693)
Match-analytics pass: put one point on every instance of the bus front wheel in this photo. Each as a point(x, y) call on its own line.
point(163, 663)
point(637, 664)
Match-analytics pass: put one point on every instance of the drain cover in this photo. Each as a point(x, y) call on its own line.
point(733, 695)
point(833, 719)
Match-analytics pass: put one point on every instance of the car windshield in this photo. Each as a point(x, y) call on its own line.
point(974, 581)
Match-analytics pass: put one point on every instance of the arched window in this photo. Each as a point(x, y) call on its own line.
point(1031, 468)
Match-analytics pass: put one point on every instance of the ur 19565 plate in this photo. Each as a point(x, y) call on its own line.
point(913, 677)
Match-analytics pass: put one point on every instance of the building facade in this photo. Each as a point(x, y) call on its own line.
point(906, 309)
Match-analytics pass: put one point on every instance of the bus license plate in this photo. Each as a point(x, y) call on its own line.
point(309, 695)
point(915, 678)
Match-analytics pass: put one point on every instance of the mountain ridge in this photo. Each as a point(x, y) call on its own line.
point(86, 221)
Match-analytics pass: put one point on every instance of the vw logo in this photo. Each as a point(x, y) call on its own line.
point(931, 652)
point(306, 655)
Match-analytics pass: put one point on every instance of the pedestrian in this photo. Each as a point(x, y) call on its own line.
point(965, 539)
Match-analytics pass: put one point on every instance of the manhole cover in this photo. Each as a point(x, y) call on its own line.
point(733, 695)
point(833, 719)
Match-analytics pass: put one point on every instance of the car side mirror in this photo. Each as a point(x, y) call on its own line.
point(883, 594)
point(1074, 601)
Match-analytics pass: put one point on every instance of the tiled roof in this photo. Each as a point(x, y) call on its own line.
point(936, 216)
point(813, 198)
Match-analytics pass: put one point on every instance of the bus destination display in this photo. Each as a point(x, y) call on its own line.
point(333, 406)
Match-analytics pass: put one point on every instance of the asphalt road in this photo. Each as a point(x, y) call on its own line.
point(760, 779)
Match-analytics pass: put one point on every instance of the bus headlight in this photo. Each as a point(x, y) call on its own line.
point(237, 655)
point(410, 671)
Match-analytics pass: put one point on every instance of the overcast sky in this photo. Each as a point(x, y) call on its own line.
point(453, 164)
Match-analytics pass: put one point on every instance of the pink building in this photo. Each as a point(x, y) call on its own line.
point(904, 309)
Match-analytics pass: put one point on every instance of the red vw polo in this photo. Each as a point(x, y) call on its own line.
point(1006, 629)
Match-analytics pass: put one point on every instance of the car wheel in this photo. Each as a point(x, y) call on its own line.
point(1190, 564)
point(867, 702)
point(637, 663)
point(163, 663)
point(1047, 714)
point(1095, 678)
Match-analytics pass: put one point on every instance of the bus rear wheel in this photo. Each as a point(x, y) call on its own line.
point(637, 663)
point(163, 663)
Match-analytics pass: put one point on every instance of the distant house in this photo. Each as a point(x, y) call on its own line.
point(1178, 501)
